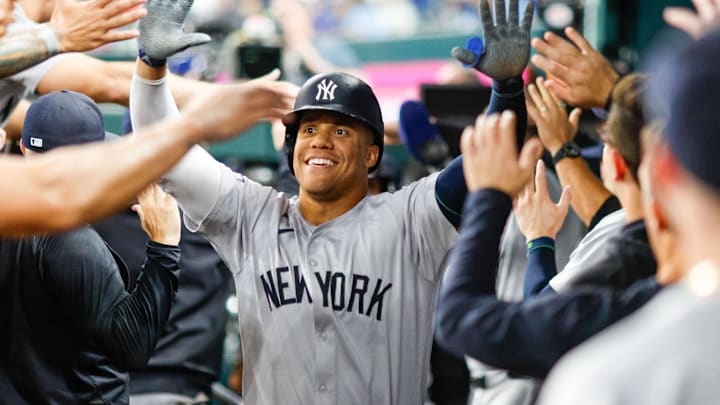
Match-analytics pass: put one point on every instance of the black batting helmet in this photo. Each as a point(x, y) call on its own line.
point(341, 93)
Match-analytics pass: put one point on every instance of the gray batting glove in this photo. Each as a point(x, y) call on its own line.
point(505, 49)
point(161, 31)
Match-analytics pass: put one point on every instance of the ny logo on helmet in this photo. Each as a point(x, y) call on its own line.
point(326, 90)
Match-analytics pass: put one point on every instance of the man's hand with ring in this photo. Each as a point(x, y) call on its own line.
point(551, 117)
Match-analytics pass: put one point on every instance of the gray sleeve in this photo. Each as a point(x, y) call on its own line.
point(428, 234)
point(195, 180)
point(590, 250)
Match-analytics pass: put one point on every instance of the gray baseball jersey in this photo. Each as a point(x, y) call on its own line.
point(18, 86)
point(336, 313)
point(664, 354)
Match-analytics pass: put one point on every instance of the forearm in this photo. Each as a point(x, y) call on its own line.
point(131, 332)
point(21, 50)
point(541, 266)
point(588, 192)
point(195, 180)
point(65, 188)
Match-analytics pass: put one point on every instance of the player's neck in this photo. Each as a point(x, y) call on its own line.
point(318, 210)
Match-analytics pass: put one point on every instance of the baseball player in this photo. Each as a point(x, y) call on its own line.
point(335, 287)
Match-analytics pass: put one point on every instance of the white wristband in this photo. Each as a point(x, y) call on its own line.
point(51, 40)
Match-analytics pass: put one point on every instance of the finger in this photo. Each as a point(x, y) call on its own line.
point(536, 98)
point(506, 132)
point(115, 36)
point(565, 198)
point(579, 40)
point(575, 118)
point(559, 89)
point(513, 13)
point(116, 7)
point(526, 22)
point(705, 10)
point(466, 140)
point(139, 211)
point(489, 134)
point(541, 188)
point(486, 17)
point(549, 66)
point(683, 19)
point(500, 17)
point(561, 44)
point(194, 39)
point(530, 107)
point(530, 153)
point(553, 53)
point(547, 98)
point(465, 56)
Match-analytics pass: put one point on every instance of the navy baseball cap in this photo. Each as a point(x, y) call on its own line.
point(63, 118)
point(688, 89)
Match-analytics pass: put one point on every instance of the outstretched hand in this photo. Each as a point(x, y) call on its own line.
point(504, 50)
point(550, 116)
point(161, 31)
point(224, 111)
point(536, 213)
point(490, 157)
point(159, 215)
point(577, 73)
point(697, 23)
point(85, 25)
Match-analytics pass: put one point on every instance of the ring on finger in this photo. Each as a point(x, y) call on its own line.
point(543, 109)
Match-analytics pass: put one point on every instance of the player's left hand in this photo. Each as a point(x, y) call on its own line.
point(504, 51)
point(490, 158)
point(161, 31)
point(536, 213)
point(159, 215)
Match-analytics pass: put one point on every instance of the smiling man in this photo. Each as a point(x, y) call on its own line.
point(336, 287)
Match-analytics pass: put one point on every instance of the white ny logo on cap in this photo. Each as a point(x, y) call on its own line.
point(326, 89)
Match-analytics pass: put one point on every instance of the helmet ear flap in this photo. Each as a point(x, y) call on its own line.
point(289, 146)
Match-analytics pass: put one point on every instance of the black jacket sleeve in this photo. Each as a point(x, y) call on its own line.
point(79, 270)
point(450, 188)
point(527, 337)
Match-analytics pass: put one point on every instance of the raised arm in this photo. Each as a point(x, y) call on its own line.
point(556, 129)
point(195, 181)
point(502, 54)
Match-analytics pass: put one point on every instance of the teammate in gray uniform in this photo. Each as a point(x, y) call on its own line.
point(336, 288)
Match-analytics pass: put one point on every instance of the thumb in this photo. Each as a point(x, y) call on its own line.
point(565, 198)
point(272, 76)
point(137, 208)
point(575, 117)
point(194, 39)
point(465, 56)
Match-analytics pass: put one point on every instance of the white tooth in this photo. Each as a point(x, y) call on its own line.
point(320, 162)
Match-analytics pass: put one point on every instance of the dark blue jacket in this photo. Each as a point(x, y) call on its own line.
point(526, 337)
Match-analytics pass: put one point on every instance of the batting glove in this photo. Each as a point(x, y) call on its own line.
point(504, 51)
point(161, 31)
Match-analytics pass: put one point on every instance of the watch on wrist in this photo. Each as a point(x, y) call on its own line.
point(569, 150)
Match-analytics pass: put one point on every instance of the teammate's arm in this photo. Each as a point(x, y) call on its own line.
point(73, 27)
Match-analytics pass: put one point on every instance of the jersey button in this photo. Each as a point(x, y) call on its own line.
point(323, 335)
point(322, 388)
point(313, 262)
